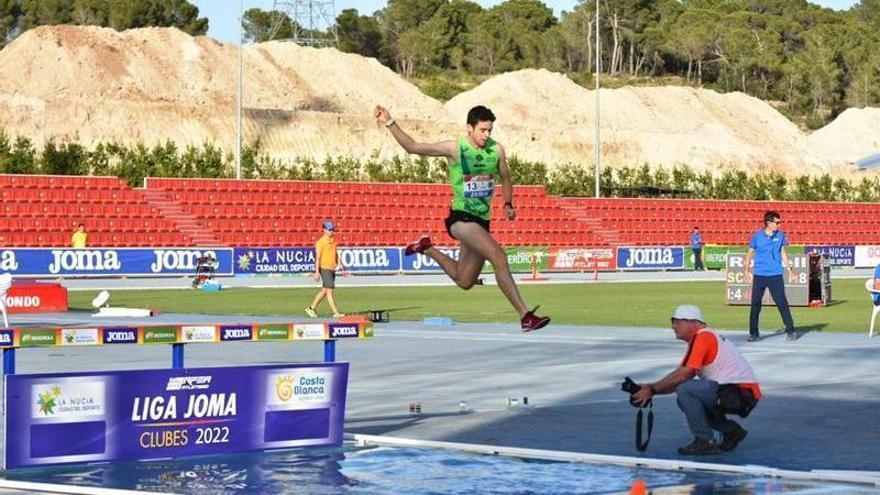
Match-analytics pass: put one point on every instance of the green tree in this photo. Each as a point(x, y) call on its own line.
point(22, 158)
point(44, 12)
point(402, 16)
point(262, 25)
point(451, 24)
point(127, 14)
point(90, 12)
point(361, 34)
point(66, 159)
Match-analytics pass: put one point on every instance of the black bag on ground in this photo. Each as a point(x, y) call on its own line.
point(733, 399)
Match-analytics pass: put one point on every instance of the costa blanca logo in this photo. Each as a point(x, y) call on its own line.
point(177, 383)
point(173, 260)
point(68, 400)
point(120, 335)
point(236, 332)
point(199, 333)
point(284, 387)
point(23, 301)
point(308, 332)
point(365, 258)
point(7, 261)
point(299, 387)
point(7, 338)
point(343, 331)
point(84, 260)
point(79, 336)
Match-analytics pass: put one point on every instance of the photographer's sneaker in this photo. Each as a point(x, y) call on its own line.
point(732, 439)
point(420, 246)
point(531, 321)
point(700, 447)
point(311, 312)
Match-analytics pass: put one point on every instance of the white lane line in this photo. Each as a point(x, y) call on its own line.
point(68, 489)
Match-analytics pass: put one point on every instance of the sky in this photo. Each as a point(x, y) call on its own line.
point(223, 14)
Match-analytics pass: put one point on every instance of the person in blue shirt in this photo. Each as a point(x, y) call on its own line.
point(697, 246)
point(767, 250)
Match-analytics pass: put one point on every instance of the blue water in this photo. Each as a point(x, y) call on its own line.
point(401, 471)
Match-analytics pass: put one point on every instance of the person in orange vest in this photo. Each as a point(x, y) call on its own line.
point(721, 368)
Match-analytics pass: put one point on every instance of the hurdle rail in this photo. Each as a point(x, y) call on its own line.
point(179, 335)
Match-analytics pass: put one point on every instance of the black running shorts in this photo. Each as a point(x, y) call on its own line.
point(463, 216)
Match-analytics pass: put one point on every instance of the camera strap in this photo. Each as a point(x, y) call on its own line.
point(643, 446)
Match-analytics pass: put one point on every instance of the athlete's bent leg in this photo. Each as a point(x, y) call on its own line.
point(475, 238)
point(470, 264)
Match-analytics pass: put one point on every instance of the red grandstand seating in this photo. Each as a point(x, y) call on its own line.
point(669, 221)
point(43, 210)
point(288, 212)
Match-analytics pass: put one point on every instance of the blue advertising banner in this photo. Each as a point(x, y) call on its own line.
point(650, 258)
point(302, 260)
point(147, 414)
point(274, 260)
point(110, 262)
point(835, 255)
point(371, 259)
point(422, 263)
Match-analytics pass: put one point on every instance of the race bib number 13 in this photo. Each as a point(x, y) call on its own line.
point(478, 186)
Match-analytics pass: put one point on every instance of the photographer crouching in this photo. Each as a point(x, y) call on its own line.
point(727, 385)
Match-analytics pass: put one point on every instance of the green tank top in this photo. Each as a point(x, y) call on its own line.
point(473, 178)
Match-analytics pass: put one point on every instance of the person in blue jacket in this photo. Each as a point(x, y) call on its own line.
point(767, 250)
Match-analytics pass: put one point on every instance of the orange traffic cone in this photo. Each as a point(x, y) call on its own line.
point(639, 488)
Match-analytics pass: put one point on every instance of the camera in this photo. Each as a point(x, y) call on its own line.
point(631, 388)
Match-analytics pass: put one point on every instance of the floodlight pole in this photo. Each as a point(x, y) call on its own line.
point(240, 88)
point(597, 143)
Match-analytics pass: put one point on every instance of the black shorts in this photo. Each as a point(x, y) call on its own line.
point(328, 278)
point(463, 216)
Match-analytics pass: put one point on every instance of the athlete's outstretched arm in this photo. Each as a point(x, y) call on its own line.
point(506, 183)
point(443, 148)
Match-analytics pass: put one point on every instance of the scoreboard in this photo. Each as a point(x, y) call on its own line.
point(797, 284)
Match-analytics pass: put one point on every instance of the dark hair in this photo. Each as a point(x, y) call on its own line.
point(770, 215)
point(695, 227)
point(81, 225)
point(479, 114)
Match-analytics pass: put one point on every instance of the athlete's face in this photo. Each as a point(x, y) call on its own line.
point(481, 132)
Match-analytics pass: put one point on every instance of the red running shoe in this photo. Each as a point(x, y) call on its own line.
point(531, 321)
point(420, 246)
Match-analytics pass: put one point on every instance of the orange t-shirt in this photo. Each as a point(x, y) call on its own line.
point(702, 351)
point(326, 254)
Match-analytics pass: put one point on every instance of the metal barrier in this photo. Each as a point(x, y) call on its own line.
point(178, 336)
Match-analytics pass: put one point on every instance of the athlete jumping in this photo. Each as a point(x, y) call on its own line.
point(474, 160)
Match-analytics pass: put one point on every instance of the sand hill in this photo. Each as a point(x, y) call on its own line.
point(854, 134)
point(97, 84)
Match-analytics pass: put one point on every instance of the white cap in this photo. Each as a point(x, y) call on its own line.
point(688, 312)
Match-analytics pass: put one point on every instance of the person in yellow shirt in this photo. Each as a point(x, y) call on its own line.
point(326, 262)
point(79, 239)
